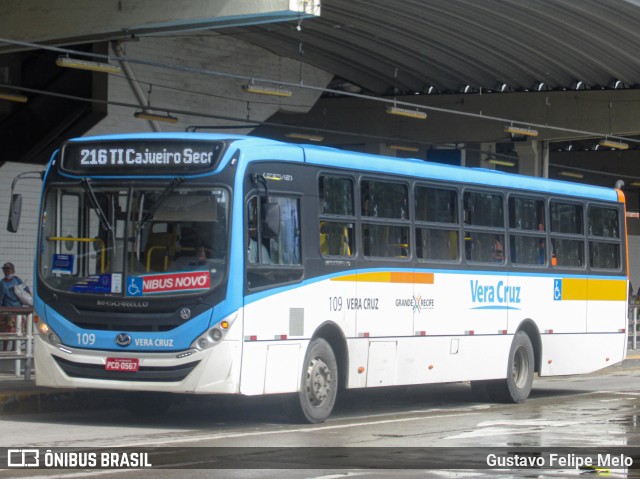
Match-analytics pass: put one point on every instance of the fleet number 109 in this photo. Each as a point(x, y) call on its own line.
point(335, 303)
point(86, 338)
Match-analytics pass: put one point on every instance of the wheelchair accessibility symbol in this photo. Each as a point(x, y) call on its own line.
point(557, 289)
point(134, 288)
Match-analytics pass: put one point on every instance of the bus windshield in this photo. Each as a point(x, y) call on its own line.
point(134, 241)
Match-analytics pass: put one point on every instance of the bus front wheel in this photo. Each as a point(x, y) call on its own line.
point(318, 386)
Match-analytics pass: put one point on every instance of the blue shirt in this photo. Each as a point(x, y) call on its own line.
point(8, 296)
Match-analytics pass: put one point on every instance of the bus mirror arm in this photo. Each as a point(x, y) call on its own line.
point(15, 207)
point(256, 178)
point(270, 212)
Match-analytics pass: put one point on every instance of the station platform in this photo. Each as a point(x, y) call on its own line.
point(20, 396)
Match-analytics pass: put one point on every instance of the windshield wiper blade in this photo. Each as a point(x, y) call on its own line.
point(163, 196)
point(94, 202)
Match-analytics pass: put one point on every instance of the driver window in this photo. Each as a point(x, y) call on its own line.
point(273, 250)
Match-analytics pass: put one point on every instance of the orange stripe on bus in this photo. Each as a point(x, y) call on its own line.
point(389, 277)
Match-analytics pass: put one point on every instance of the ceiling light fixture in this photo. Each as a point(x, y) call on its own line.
point(572, 174)
point(266, 90)
point(578, 85)
point(144, 115)
point(495, 161)
point(635, 183)
point(404, 148)
point(540, 86)
point(67, 62)
point(514, 130)
point(13, 97)
point(304, 136)
point(618, 145)
point(417, 114)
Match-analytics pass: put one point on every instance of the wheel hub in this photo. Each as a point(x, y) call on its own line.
point(318, 381)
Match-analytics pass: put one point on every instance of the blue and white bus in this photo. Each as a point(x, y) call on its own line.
point(216, 264)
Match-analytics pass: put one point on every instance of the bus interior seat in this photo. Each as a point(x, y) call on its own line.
point(160, 249)
point(334, 243)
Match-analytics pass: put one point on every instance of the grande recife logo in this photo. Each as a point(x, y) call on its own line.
point(170, 282)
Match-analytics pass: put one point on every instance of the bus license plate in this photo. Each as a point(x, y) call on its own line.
point(130, 365)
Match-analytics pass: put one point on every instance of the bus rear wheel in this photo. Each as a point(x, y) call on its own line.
point(520, 370)
point(318, 386)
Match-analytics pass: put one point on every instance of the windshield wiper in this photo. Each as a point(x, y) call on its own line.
point(154, 207)
point(94, 202)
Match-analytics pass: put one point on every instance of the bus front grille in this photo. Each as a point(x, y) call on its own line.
point(145, 373)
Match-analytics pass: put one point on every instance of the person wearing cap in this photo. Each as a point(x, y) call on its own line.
point(8, 297)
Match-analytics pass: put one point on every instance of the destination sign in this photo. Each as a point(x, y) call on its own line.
point(146, 157)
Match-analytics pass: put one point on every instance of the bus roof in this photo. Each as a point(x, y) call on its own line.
point(349, 160)
point(456, 174)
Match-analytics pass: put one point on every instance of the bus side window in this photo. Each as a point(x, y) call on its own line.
point(436, 211)
point(337, 217)
point(567, 234)
point(604, 237)
point(527, 231)
point(256, 249)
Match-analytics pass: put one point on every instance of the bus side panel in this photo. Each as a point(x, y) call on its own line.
point(607, 305)
point(271, 367)
point(423, 360)
point(555, 304)
point(278, 325)
point(564, 354)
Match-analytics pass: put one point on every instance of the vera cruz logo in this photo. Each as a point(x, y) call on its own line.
point(494, 296)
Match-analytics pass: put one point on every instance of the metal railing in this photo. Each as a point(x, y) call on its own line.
point(17, 343)
point(633, 325)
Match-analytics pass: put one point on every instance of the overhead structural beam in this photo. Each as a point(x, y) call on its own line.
point(77, 21)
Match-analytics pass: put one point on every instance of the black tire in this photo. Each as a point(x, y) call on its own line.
point(147, 404)
point(318, 385)
point(517, 386)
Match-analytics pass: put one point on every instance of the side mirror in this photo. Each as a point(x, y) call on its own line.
point(271, 220)
point(14, 213)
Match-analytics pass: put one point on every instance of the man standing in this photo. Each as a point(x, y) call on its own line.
point(8, 297)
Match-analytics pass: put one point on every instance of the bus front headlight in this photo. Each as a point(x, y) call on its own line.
point(213, 335)
point(208, 339)
point(48, 334)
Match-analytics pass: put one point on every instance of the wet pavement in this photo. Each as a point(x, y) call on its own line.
point(18, 395)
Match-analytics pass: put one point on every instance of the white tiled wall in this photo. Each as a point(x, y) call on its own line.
point(19, 248)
